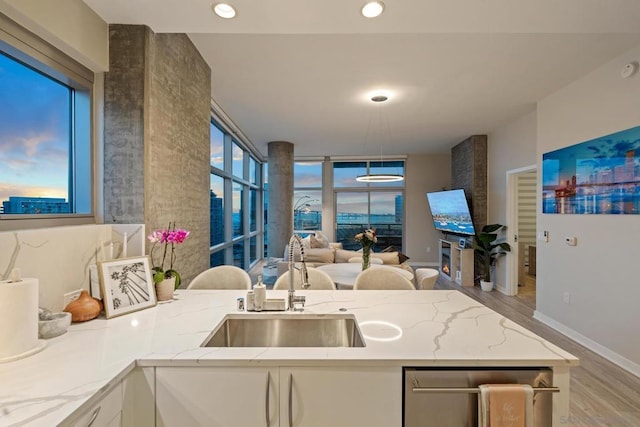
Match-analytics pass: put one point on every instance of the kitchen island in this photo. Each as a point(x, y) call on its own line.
point(148, 349)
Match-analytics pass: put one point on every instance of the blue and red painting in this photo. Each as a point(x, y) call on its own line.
point(600, 176)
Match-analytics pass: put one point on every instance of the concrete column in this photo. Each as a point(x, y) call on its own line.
point(280, 209)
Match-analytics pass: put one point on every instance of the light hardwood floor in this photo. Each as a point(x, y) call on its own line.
point(602, 394)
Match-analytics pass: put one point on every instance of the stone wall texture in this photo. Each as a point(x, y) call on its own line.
point(469, 172)
point(157, 118)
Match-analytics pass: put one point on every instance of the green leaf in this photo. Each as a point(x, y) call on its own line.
point(173, 273)
point(158, 276)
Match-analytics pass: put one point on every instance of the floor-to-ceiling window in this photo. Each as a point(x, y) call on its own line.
point(45, 133)
point(307, 196)
point(360, 205)
point(236, 193)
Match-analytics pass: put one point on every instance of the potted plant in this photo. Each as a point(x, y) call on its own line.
point(487, 249)
point(166, 280)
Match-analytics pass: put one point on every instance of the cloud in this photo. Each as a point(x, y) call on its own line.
point(27, 145)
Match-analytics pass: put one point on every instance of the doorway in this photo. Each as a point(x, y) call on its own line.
point(521, 211)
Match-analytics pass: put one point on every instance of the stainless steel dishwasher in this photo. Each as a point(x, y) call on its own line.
point(448, 397)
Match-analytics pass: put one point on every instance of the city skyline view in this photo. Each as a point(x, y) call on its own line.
point(600, 176)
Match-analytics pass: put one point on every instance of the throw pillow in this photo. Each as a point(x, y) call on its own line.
point(387, 257)
point(315, 242)
point(401, 257)
point(319, 255)
point(324, 240)
point(343, 255)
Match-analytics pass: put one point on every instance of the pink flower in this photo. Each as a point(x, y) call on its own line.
point(180, 235)
point(155, 237)
point(177, 236)
point(168, 238)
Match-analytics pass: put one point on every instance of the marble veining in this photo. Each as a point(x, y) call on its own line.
point(434, 328)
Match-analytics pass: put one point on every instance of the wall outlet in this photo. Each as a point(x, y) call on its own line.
point(428, 249)
point(70, 297)
point(566, 298)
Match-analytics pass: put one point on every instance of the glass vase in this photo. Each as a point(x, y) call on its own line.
point(366, 253)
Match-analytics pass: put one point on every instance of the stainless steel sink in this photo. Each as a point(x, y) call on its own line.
point(278, 330)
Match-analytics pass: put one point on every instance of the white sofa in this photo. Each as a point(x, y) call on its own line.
point(315, 257)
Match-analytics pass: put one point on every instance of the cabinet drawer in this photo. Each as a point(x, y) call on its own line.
point(102, 413)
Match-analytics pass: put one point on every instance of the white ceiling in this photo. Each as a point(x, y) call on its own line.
point(293, 70)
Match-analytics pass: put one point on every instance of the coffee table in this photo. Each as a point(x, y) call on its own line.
point(344, 274)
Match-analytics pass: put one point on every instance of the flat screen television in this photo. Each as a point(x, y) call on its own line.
point(450, 212)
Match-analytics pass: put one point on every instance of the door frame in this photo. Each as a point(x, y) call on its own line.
point(512, 218)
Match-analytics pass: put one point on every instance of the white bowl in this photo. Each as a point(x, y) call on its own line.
point(56, 325)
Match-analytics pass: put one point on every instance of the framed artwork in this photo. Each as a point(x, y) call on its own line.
point(127, 285)
point(600, 176)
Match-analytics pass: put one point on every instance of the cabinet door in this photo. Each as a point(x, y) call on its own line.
point(340, 397)
point(102, 413)
point(216, 396)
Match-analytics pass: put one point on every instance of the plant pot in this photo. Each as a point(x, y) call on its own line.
point(164, 289)
point(486, 286)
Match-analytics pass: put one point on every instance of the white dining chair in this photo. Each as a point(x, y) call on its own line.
point(382, 278)
point(426, 278)
point(318, 279)
point(222, 277)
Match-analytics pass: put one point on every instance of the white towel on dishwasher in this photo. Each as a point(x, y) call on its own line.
point(484, 397)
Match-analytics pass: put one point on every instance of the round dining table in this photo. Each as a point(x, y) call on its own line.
point(344, 274)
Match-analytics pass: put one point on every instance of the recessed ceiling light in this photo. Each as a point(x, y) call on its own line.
point(224, 10)
point(379, 98)
point(372, 9)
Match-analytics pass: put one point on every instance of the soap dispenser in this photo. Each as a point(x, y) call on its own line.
point(260, 294)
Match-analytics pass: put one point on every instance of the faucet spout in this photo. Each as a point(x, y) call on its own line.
point(304, 275)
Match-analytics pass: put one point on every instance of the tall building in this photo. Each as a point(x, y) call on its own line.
point(216, 221)
point(35, 205)
point(399, 209)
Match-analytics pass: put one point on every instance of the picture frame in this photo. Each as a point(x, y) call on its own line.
point(126, 285)
point(596, 177)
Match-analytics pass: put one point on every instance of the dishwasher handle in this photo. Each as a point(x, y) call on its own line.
point(474, 390)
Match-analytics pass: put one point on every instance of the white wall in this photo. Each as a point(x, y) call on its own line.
point(69, 25)
point(602, 273)
point(424, 173)
point(59, 257)
point(511, 147)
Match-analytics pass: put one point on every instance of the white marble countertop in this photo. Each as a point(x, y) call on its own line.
point(401, 328)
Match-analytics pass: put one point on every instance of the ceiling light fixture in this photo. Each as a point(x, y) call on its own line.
point(379, 177)
point(224, 10)
point(372, 9)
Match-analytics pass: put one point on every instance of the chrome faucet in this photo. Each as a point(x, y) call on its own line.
point(304, 276)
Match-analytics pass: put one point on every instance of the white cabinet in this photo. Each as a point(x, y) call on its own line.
point(106, 412)
point(216, 396)
point(286, 396)
point(129, 403)
point(340, 396)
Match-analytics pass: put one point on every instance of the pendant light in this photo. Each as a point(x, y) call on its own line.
point(379, 177)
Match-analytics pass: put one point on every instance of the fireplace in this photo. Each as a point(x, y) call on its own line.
point(445, 264)
point(445, 258)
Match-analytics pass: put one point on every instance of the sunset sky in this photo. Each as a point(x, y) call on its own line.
point(34, 133)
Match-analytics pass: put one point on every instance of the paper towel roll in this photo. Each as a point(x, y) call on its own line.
point(18, 319)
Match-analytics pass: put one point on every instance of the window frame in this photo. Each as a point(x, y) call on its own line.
point(27, 48)
point(369, 189)
point(231, 181)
